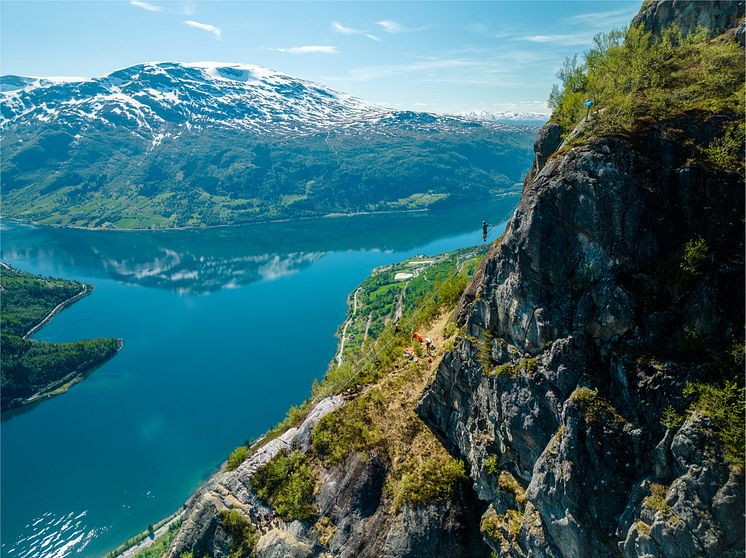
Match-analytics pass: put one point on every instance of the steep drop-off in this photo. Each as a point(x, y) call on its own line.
point(597, 397)
point(589, 389)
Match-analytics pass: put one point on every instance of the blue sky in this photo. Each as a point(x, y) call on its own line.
point(432, 56)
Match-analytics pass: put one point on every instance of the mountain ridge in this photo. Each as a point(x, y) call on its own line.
point(171, 145)
point(170, 84)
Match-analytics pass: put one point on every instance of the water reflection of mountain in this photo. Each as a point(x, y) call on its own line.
point(200, 261)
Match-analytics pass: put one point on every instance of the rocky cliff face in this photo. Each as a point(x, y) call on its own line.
point(716, 15)
point(355, 516)
point(582, 330)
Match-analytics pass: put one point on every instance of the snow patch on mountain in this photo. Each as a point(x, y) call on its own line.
point(533, 118)
point(158, 100)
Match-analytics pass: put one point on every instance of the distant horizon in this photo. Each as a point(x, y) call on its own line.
point(439, 57)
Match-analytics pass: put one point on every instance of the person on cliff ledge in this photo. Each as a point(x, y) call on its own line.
point(588, 105)
point(485, 229)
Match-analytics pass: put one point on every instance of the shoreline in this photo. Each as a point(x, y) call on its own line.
point(87, 289)
point(143, 539)
point(62, 385)
point(239, 223)
point(69, 380)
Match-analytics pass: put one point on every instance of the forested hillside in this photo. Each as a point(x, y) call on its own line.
point(30, 368)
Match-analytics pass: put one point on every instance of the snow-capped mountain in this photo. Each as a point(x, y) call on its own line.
point(150, 97)
point(171, 144)
point(159, 99)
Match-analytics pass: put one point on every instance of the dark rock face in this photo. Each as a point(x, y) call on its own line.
point(716, 15)
point(585, 281)
point(591, 221)
point(547, 142)
point(702, 510)
point(353, 494)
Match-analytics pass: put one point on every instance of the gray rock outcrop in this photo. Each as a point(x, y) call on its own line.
point(578, 295)
point(718, 16)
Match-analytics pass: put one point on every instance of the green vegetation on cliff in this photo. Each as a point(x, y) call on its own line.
point(33, 367)
point(385, 386)
point(243, 533)
point(634, 78)
point(287, 483)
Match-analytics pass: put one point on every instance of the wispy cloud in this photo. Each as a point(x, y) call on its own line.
point(367, 73)
point(145, 6)
point(390, 26)
point(566, 39)
point(537, 107)
point(306, 49)
point(493, 68)
point(581, 38)
point(204, 26)
point(603, 19)
point(339, 28)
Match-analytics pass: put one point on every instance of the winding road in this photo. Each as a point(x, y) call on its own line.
point(344, 330)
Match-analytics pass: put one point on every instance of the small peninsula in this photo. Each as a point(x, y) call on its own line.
point(31, 369)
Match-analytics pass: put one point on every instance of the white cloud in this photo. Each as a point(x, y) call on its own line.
point(339, 28)
point(536, 107)
point(204, 26)
point(603, 19)
point(306, 49)
point(145, 6)
point(570, 39)
point(390, 26)
point(367, 73)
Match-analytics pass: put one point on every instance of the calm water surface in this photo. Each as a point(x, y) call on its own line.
point(223, 330)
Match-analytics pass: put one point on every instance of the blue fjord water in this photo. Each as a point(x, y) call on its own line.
point(223, 330)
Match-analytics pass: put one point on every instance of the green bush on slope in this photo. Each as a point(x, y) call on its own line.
point(287, 483)
point(725, 405)
point(242, 532)
point(236, 457)
point(632, 77)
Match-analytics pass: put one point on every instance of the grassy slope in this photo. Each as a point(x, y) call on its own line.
point(382, 418)
point(92, 181)
point(379, 294)
point(635, 80)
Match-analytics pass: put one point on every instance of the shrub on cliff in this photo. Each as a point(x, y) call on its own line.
point(287, 483)
point(429, 482)
point(242, 532)
point(236, 457)
point(631, 77)
point(725, 405)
